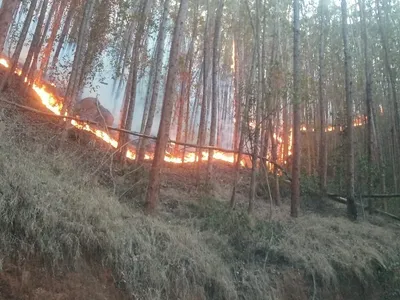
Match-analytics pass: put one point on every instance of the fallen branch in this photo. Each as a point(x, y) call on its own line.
point(382, 196)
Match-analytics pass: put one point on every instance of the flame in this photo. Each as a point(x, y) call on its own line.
point(52, 103)
point(4, 63)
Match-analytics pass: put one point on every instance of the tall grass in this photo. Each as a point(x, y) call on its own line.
point(201, 251)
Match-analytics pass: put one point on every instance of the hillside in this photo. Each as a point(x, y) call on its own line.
point(72, 227)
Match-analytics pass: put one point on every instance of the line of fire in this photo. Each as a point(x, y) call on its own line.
point(55, 105)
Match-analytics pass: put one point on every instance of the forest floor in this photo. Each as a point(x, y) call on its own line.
point(72, 227)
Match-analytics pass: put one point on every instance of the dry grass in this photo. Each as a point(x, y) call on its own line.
point(48, 207)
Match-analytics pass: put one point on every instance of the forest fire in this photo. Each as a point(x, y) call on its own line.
point(55, 106)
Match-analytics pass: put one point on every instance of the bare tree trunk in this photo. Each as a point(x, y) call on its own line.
point(295, 186)
point(35, 40)
point(130, 92)
point(215, 62)
point(20, 44)
point(322, 164)
point(7, 11)
point(77, 66)
point(203, 112)
point(351, 206)
point(157, 81)
point(64, 32)
point(368, 100)
point(49, 47)
point(168, 103)
point(33, 66)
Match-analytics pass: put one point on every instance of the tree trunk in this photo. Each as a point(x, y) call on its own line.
point(157, 81)
point(33, 66)
point(168, 103)
point(368, 100)
point(35, 40)
point(322, 164)
point(351, 206)
point(64, 32)
point(7, 11)
point(203, 112)
point(49, 47)
point(296, 148)
point(20, 44)
point(131, 87)
point(77, 66)
point(215, 62)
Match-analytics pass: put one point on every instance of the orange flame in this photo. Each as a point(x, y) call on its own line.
point(55, 105)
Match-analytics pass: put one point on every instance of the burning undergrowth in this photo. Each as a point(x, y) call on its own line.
point(62, 206)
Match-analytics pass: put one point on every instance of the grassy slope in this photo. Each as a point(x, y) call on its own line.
point(55, 205)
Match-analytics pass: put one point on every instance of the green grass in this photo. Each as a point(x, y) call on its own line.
point(50, 207)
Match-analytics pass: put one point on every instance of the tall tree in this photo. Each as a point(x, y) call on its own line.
point(131, 87)
point(295, 186)
point(351, 206)
point(35, 40)
point(157, 80)
point(20, 44)
point(79, 57)
point(7, 10)
point(215, 62)
point(322, 165)
point(168, 104)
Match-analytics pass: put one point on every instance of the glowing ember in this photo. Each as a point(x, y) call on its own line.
point(4, 63)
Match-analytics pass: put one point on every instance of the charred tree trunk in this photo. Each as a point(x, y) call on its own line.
point(168, 103)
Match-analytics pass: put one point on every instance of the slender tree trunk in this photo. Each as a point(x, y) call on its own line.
point(351, 206)
point(49, 47)
point(368, 99)
point(20, 44)
point(157, 81)
point(389, 70)
point(77, 66)
point(322, 164)
point(215, 62)
point(237, 116)
point(7, 11)
point(130, 92)
point(33, 66)
point(64, 32)
point(296, 148)
point(35, 40)
point(168, 103)
point(203, 112)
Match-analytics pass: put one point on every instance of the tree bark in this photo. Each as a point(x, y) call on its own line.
point(131, 87)
point(77, 66)
point(351, 206)
point(20, 44)
point(296, 148)
point(35, 40)
point(215, 62)
point(49, 47)
point(64, 32)
point(157, 81)
point(322, 164)
point(168, 103)
point(7, 11)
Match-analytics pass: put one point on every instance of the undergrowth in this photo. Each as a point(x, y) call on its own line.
point(203, 251)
